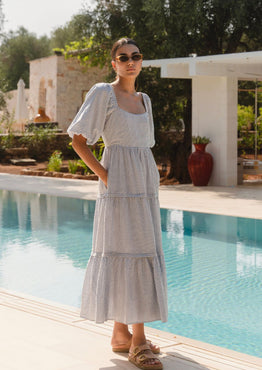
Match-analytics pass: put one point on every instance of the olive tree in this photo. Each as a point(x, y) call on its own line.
point(16, 50)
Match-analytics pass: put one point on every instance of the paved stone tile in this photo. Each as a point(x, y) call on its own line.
point(36, 338)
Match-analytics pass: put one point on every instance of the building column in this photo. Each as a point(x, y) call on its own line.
point(214, 114)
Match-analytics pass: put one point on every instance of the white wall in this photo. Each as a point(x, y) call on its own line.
point(73, 80)
point(65, 82)
point(214, 114)
point(11, 98)
point(43, 71)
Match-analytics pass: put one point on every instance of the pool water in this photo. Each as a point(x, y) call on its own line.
point(214, 264)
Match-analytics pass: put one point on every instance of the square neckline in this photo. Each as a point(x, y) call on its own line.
point(123, 110)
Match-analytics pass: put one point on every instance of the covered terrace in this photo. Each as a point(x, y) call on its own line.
point(214, 102)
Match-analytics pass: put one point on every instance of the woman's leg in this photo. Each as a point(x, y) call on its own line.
point(121, 334)
point(122, 338)
point(138, 335)
point(139, 339)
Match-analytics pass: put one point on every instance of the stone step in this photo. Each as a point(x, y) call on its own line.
point(16, 152)
point(23, 161)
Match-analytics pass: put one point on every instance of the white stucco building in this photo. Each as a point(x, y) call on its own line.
point(59, 85)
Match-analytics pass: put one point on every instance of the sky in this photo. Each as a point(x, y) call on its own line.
point(40, 16)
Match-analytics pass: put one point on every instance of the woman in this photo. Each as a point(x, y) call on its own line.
point(125, 278)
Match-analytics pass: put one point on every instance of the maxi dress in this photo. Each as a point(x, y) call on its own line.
point(125, 277)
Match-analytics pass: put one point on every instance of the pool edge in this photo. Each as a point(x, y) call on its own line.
point(173, 347)
point(238, 201)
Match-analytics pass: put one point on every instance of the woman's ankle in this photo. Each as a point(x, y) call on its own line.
point(139, 337)
point(138, 341)
point(121, 334)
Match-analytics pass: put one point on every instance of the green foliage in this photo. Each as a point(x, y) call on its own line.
point(40, 142)
point(77, 38)
point(246, 92)
point(7, 141)
point(84, 167)
point(245, 117)
point(16, 50)
point(6, 122)
point(76, 29)
point(200, 140)
point(72, 166)
point(2, 101)
point(6, 127)
point(98, 150)
point(75, 165)
point(246, 129)
point(178, 27)
point(55, 161)
point(89, 52)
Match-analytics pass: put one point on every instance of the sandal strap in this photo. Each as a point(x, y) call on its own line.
point(140, 349)
point(151, 345)
point(142, 353)
point(146, 356)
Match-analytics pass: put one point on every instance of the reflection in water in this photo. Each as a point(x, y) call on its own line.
point(45, 242)
point(214, 264)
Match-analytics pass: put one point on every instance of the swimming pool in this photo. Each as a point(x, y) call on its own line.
point(214, 264)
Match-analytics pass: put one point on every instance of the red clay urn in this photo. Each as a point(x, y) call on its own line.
point(200, 163)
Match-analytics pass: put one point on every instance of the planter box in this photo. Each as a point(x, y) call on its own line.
point(66, 175)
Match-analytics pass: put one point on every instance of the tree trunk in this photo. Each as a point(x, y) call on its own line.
point(180, 151)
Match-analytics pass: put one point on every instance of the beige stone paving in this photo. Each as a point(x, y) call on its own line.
point(241, 201)
point(40, 335)
point(244, 200)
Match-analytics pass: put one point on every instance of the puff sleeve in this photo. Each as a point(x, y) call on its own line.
point(91, 118)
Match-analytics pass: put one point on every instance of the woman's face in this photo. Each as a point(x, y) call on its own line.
point(131, 68)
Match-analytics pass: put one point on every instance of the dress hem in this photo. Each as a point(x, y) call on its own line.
point(117, 195)
point(122, 321)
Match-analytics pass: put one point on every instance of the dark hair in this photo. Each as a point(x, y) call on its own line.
point(118, 44)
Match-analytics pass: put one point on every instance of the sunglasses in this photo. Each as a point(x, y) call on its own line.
point(125, 58)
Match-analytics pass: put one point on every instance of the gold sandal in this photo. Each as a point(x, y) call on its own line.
point(124, 348)
point(140, 355)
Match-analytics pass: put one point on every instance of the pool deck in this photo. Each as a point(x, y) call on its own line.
point(40, 335)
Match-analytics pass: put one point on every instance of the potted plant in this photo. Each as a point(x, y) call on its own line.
point(200, 163)
point(200, 140)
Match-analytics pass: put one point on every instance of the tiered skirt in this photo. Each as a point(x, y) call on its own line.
point(125, 278)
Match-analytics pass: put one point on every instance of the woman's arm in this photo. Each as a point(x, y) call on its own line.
point(79, 145)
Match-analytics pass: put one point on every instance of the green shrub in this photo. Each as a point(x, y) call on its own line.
point(6, 127)
point(246, 130)
point(98, 151)
point(55, 162)
point(245, 117)
point(6, 122)
point(40, 142)
point(200, 140)
point(7, 141)
point(72, 166)
point(81, 164)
